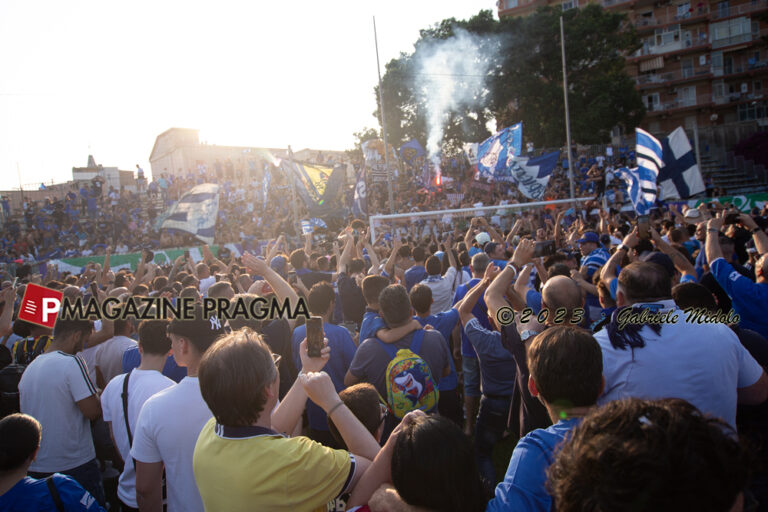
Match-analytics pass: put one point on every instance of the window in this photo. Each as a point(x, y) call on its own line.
point(736, 30)
point(723, 9)
point(690, 122)
point(728, 67)
point(753, 110)
point(511, 4)
point(686, 96)
point(687, 67)
point(683, 11)
point(569, 4)
point(652, 102)
point(718, 89)
point(717, 63)
point(757, 86)
point(667, 35)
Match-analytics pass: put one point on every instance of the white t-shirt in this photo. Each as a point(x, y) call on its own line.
point(50, 388)
point(109, 356)
point(167, 431)
point(206, 283)
point(442, 290)
point(141, 386)
point(89, 358)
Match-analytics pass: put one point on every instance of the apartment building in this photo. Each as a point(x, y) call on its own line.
point(701, 62)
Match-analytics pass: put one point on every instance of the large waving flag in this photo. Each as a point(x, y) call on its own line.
point(360, 206)
point(411, 150)
point(680, 176)
point(649, 162)
point(195, 212)
point(532, 174)
point(495, 154)
point(317, 185)
point(641, 185)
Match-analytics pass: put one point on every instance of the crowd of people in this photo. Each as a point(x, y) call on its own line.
point(91, 215)
point(624, 361)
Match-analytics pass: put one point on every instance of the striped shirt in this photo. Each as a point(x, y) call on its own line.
point(49, 390)
point(594, 260)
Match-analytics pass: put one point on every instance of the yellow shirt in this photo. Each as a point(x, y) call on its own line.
point(253, 468)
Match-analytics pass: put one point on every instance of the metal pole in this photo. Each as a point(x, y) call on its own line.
point(567, 116)
point(383, 123)
point(696, 144)
point(291, 178)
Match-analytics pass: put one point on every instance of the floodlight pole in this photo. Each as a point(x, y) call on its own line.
point(567, 116)
point(383, 123)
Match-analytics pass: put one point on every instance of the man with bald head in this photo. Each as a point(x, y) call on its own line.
point(653, 350)
point(558, 292)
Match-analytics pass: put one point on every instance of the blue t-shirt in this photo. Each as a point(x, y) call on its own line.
point(370, 325)
point(497, 365)
point(480, 311)
point(32, 494)
point(524, 485)
point(414, 275)
point(444, 323)
point(132, 359)
point(342, 351)
point(749, 299)
point(533, 300)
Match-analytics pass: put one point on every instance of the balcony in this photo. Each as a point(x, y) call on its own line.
point(735, 97)
point(701, 100)
point(686, 44)
point(612, 3)
point(739, 10)
point(699, 14)
point(728, 41)
point(686, 74)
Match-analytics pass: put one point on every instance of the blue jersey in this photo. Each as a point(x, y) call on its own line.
point(31, 494)
point(444, 323)
point(370, 325)
point(749, 299)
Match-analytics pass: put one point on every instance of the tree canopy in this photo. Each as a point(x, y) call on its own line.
point(521, 63)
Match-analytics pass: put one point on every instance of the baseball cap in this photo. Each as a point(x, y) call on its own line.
point(692, 213)
point(589, 236)
point(278, 264)
point(198, 329)
point(660, 259)
point(482, 238)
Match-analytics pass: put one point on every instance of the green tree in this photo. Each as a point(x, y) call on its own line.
point(524, 79)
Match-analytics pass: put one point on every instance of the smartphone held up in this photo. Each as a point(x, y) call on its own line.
point(315, 336)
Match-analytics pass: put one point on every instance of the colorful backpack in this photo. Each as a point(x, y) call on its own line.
point(410, 385)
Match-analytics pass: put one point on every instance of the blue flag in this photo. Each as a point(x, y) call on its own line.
point(195, 212)
point(641, 186)
point(411, 150)
point(679, 177)
point(495, 154)
point(360, 206)
point(532, 174)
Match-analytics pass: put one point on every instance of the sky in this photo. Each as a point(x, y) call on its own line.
point(105, 78)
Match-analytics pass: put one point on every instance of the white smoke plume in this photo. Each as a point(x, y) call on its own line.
point(451, 74)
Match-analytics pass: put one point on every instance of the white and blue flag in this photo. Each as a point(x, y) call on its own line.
point(308, 226)
point(265, 186)
point(196, 212)
point(679, 177)
point(495, 154)
point(531, 175)
point(641, 187)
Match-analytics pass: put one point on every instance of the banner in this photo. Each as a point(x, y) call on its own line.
point(360, 205)
point(195, 213)
point(744, 203)
point(317, 185)
point(495, 154)
point(131, 260)
point(531, 175)
point(411, 150)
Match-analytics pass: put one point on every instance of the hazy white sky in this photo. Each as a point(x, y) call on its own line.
point(102, 77)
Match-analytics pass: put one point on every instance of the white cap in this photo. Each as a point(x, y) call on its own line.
point(482, 238)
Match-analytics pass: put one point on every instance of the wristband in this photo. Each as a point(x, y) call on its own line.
point(622, 247)
point(513, 267)
point(330, 411)
point(713, 230)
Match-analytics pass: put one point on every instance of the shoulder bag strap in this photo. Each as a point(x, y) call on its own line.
point(55, 494)
point(124, 396)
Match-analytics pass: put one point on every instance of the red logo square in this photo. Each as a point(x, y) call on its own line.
point(40, 305)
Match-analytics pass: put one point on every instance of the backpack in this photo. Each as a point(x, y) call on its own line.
point(409, 380)
point(24, 352)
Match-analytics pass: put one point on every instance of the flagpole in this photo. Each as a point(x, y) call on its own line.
point(292, 179)
point(567, 116)
point(383, 122)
